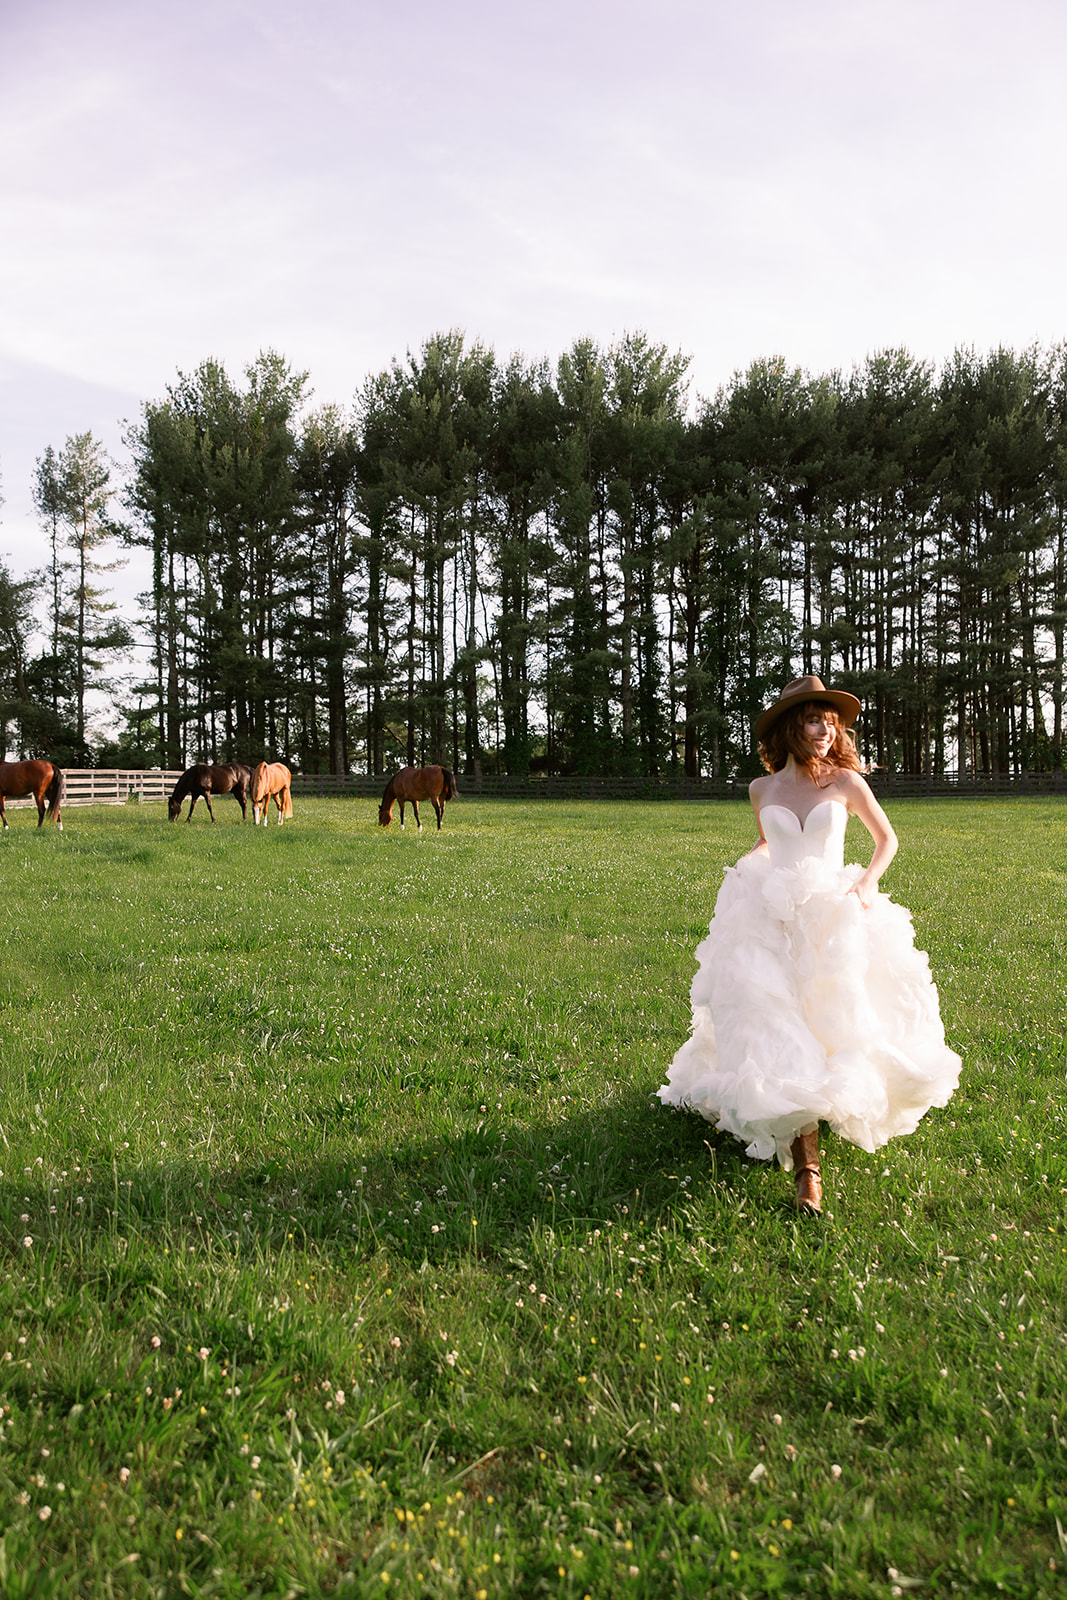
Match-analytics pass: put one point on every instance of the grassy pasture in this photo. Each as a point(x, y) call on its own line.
point(345, 1249)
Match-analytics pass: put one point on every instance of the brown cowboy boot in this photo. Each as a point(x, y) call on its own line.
point(805, 1153)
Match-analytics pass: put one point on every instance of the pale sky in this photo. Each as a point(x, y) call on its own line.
point(338, 180)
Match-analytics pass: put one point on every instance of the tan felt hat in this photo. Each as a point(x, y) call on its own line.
point(810, 688)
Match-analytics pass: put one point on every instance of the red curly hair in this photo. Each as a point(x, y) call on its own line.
point(785, 738)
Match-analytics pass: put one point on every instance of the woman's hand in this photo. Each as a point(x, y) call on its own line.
point(865, 889)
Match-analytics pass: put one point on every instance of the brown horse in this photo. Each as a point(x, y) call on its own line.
point(202, 781)
point(37, 778)
point(435, 784)
point(271, 781)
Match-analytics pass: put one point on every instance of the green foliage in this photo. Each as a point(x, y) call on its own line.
point(631, 583)
point(363, 1260)
point(16, 623)
point(72, 493)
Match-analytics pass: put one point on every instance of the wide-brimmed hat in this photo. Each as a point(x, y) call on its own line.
point(810, 688)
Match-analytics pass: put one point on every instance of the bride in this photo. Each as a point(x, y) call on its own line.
point(810, 1002)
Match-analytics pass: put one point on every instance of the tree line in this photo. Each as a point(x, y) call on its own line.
point(517, 567)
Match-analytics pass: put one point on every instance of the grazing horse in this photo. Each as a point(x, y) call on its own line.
point(435, 784)
point(202, 781)
point(271, 781)
point(40, 779)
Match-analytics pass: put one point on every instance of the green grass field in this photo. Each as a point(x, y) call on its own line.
point(347, 1250)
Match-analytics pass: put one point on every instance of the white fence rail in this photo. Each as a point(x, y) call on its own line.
point(110, 786)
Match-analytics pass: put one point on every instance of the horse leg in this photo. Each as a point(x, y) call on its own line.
point(40, 808)
point(439, 809)
point(192, 802)
point(401, 813)
point(415, 808)
point(3, 813)
point(207, 802)
point(241, 797)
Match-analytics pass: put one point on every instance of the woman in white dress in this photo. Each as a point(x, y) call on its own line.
point(810, 1002)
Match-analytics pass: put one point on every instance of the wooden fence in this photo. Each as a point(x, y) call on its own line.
point(127, 785)
point(557, 787)
point(111, 786)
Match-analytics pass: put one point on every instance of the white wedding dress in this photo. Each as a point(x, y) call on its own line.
point(807, 1006)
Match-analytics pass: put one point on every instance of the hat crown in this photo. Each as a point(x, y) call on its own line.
point(810, 685)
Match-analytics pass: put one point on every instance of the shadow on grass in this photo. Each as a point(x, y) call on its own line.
point(480, 1186)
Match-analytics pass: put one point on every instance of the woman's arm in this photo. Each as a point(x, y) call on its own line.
point(862, 804)
point(753, 794)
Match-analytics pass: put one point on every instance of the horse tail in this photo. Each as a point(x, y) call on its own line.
point(450, 790)
point(287, 801)
point(56, 791)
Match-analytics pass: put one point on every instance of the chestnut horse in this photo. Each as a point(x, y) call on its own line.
point(40, 779)
point(202, 781)
point(435, 784)
point(271, 781)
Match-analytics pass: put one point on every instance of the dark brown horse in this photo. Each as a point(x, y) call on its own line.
point(435, 784)
point(202, 781)
point(37, 778)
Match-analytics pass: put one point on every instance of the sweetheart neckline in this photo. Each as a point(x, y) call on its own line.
point(771, 806)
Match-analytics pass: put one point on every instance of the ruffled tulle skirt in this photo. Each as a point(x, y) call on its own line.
point(809, 1007)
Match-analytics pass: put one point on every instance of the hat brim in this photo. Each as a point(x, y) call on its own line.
point(846, 705)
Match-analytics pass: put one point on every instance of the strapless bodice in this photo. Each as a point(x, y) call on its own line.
point(821, 834)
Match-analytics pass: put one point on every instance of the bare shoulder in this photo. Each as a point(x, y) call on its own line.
point(852, 786)
point(863, 803)
point(758, 787)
